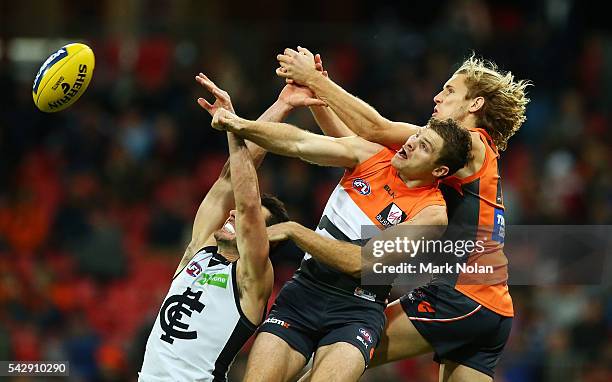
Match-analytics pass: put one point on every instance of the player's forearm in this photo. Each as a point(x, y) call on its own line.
point(244, 175)
point(277, 112)
point(330, 124)
point(340, 255)
point(279, 138)
point(356, 114)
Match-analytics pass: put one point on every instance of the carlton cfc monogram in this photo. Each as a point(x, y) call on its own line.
point(172, 312)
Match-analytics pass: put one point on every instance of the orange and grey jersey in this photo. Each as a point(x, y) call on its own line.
point(200, 327)
point(372, 194)
point(476, 212)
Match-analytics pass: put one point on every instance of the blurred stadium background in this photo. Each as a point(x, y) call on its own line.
point(96, 202)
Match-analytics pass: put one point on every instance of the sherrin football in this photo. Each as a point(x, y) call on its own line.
point(63, 77)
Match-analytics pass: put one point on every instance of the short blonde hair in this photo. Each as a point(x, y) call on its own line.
point(503, 111)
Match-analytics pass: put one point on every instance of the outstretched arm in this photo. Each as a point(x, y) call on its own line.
point(250, 224)
point(219, 200)
point(343, 256)
point(429, 223)
point(360, 117)
point(288, 140)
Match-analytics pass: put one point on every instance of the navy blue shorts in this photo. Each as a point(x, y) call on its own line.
point(307, 317)
point(458, 328)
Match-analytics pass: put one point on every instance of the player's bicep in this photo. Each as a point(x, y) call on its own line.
point(326, 151)
point(345, 152)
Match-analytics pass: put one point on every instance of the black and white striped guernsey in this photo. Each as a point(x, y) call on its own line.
point(200, 327)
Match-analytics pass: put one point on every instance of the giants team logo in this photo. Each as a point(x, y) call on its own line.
point(194, 269)
point(172, 312)
point(361, 186)
point(391, 216)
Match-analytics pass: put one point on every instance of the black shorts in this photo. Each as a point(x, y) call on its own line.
point(307, 317)
point(458, 328)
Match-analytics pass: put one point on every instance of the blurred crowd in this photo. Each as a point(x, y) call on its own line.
point(96, 203)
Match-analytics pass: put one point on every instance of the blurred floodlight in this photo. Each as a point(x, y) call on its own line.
point(27, 50)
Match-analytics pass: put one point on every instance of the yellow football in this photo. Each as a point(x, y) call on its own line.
point(63, 77)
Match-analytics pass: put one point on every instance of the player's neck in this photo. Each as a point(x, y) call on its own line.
point(227, 251)
point(412, 183)
point(469, 122)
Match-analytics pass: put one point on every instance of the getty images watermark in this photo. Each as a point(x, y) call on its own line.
point(407, 246)
point(516, 254)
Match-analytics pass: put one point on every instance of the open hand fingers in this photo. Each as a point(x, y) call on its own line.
point(314, 102)
point(304, 51)
point(281, 73)
point(205, 81)
point(290, 52)
point(206, 106)
point(220, 94)
point(284, 59)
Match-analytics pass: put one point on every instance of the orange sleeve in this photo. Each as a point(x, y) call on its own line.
point(374, 163)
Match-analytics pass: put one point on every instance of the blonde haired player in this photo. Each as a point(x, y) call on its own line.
point(464, 320)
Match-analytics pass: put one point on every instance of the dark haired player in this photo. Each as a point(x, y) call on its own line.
point(221, 287)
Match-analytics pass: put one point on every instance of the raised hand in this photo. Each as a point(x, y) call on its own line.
point(318, 63)
point(298, 66)
point(278, 232)
point(225, 120)
point(298, 96)
point(222, 99)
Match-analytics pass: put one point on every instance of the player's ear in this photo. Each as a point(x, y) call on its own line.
point(477, 104)
point(440, 171)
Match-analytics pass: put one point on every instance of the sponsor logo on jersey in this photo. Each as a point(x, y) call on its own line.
point(276, 321)
point(172, 313)
point(391, 215)
point(362, 341)
point(389, 191)
point(425, 307)
point(362, 186)
point(499, 226)
point(194, 269)
point(366, 295)
point(218, 279)
point(365, 334)
point(416, 294)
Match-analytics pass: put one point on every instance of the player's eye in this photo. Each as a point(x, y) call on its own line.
point(423, 146)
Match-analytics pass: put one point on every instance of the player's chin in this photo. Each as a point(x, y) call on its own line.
point(397, 160)
point(222, 235)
